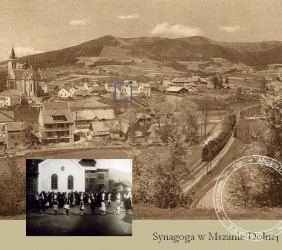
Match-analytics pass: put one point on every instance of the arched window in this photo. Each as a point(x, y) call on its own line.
point(54, 181)
point(70, 182)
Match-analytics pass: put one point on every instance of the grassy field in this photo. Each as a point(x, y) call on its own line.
point(85, 153)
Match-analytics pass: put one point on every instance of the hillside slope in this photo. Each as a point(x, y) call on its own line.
point(257, 54)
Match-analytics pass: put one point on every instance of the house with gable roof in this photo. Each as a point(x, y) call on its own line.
point(100, 130)
point(56, 123)
point(17, 134)
point(10, 98)
point(83, 118)
point(64, 93)
point(5, 117)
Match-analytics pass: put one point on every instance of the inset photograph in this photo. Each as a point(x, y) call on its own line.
point(79, 197)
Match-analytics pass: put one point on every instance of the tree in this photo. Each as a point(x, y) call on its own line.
point(12, 190)
point(189, 121)
point(204, 106)
point(239, 93)
point(158, 177)
point(263, 85)
point(39, 91)
point(240, 188)
point(246, 186)
point(215, 82)
point(272, 109)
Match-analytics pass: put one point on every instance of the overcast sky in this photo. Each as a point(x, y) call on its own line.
point(35, 26)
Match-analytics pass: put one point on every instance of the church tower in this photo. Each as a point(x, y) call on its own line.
point(12, 63)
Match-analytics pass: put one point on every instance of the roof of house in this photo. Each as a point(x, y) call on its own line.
point(143, 116)
point(146, 84)
point(55, 106)
point(65, 90)
point(182, 80)
point(98, 126)
point(129, 81)
point(49, 114)
point(90, 114)
point(7, 116)
point(98, 88)
point(16, 126)
point(203, 80)
point(174, 89)
point(195, 78)
point(90, 103)
point(138, 133)
point(190, 84)
point(51, 109)
point(82, 92)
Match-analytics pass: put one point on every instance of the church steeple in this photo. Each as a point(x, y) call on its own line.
point(13, 55)
point(12, 63)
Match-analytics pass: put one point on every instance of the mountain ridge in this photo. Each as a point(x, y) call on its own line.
point(257, 54)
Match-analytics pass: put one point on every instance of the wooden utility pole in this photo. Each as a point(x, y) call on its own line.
point(205, 122)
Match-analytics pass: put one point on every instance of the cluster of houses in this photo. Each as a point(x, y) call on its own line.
point(146, 131)
point(125, 88)
point(59, 123)
point(129, 88)
point(82, 91)
point(185, 84)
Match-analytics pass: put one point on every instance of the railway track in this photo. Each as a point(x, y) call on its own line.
point(195, 175)
point(198, 166)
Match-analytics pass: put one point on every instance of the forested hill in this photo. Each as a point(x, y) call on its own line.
point(258, 54)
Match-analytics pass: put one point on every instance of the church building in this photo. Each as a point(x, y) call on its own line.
point(24, 78)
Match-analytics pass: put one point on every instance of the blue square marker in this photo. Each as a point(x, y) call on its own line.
point(129, 96)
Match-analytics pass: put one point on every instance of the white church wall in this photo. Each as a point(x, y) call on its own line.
point(54, 166)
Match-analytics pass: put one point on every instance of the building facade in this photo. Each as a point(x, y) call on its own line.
point(10, 98)
point(64, 93)
point(60, 175)
point(56, 123)
point(65, 175)
point(95, 179)
point(17, 134)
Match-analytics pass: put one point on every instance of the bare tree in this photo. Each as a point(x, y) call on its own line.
point(204, 106)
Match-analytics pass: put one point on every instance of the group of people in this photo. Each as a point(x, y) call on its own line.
point(93, 200)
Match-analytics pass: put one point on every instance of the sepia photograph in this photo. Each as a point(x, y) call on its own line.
point(183, 88)
point(85, 197)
